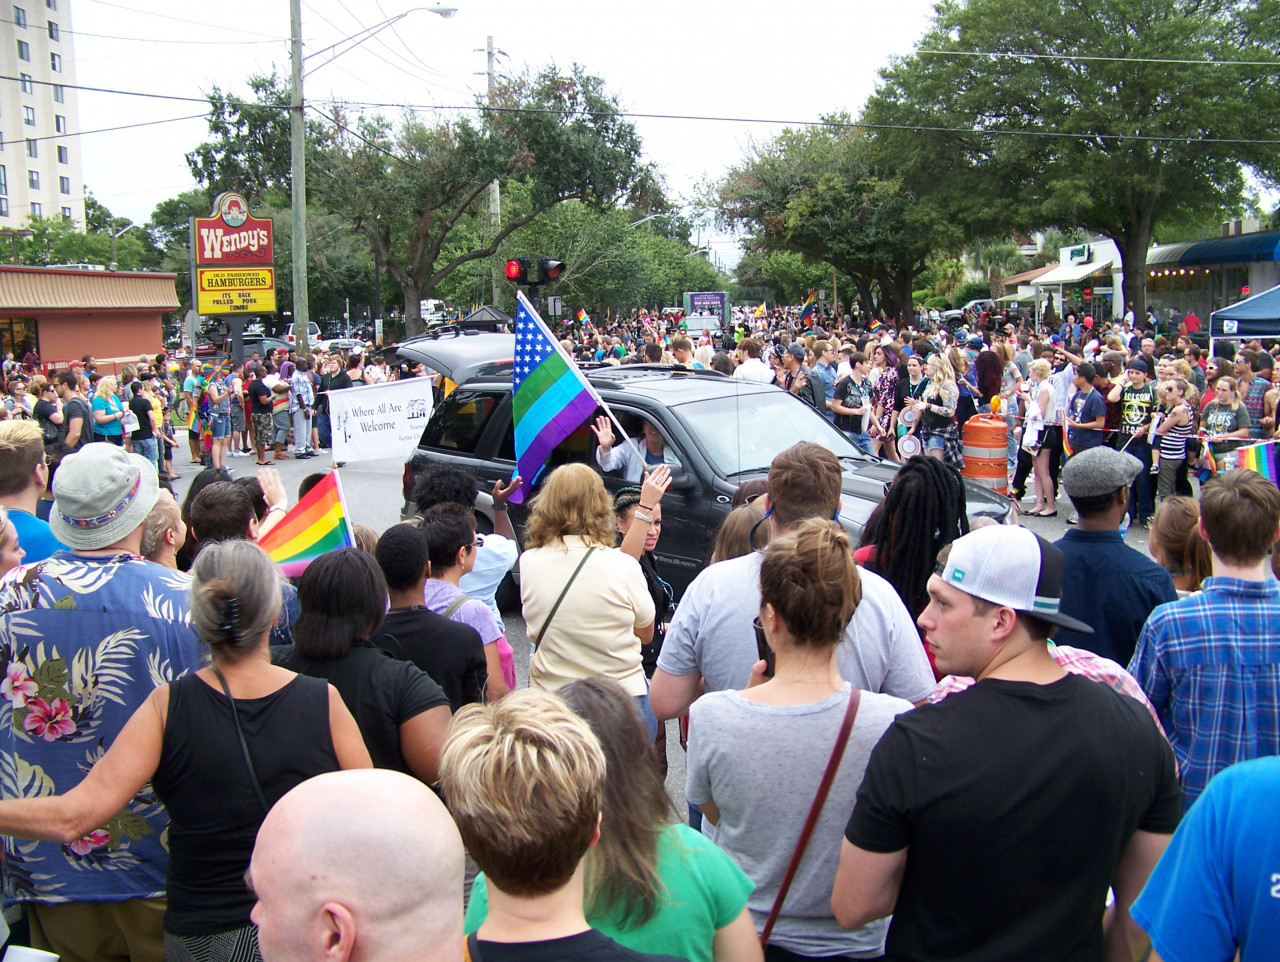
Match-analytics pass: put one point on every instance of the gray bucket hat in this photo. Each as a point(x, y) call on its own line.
point(101, 493)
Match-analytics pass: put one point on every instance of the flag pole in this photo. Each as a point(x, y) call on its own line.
point(555, 341)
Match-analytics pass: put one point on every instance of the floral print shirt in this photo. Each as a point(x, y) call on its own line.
point(83, 641)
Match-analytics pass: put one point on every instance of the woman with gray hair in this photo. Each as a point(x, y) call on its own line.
point(219, 746)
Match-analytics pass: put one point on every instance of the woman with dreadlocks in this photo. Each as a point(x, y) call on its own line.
point(922, 512)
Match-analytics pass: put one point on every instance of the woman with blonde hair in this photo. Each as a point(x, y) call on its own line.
point(1043, 428)
point(757, 756)
point(1225, 422)
point(733, 540)
point(108, 413)
point(936, 411)
point(586, 603)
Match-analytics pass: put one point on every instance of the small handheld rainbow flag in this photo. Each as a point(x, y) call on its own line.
point(582, 316)
point(1209, 468)
point(876, 325)
point(1260, 458)
point(806, 309)
point(315, 525)
point(1066, 442)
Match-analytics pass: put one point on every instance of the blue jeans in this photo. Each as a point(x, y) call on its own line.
point(1142, 496)
point(647, 718)
point(147, 448)
point(322, 429)
point(861, 440)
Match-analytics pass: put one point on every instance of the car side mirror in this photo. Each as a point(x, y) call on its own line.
point(682, 480)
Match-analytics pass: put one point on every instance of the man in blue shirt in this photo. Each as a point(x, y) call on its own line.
point(1107, 585)
point(1210, 664)
point(1088, 412)
point(825, 369)
point(23, 477)
point(1214, 892)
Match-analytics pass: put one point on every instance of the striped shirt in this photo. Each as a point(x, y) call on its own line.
point(1173, 443)
point(1211, 666)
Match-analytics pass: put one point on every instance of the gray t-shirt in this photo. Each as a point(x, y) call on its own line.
point(711, 633)
point(761, 765)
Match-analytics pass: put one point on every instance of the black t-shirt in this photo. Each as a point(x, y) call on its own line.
point(1015, 803)
point(259, 397)
point(78, 409)
point(905, 389)
point(852, 393)
point(588, 946)
point(52, 433)
point(447, 650)
point(340, 381)
point(380, 691)
point(140, 405)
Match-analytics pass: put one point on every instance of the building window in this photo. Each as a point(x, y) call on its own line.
point(64, 155)
point(19, 17)
point(55, 62)
point(66, 213)
point(59, 94)
point(53, 31)
point(4, 206)
point(27, 86)
point(37, 210)
point(24, 51)
point(4, 180)
point(33, 148)
point(60, 123)
point(29, 116)
point(64, 185)
point(51, 4)
point(33, 179)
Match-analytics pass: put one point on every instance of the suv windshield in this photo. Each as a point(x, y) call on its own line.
point(740, 434)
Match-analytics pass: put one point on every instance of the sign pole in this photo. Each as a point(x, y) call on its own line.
point(193, 315)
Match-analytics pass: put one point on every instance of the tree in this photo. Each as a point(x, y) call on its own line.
point(408, 188)
point(821, 192)
point(1000, 259)
point(1116, 115)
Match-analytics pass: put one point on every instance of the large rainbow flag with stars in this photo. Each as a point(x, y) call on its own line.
point(316, 524)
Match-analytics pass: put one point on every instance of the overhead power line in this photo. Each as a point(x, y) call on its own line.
point(195, 23)
point(1086, 58)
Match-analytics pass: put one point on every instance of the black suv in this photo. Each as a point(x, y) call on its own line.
point(723, 431)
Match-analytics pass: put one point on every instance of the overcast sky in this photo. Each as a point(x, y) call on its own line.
point(746, 60)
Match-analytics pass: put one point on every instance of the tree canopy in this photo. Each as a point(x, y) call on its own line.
point(1112, 115)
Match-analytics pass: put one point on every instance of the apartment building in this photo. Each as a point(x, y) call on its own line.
point(40, 158)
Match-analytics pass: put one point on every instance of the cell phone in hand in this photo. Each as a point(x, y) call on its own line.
point(764, 651)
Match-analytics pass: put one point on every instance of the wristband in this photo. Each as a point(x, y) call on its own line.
point(646, 518)
point(646, 507)
point(499, 507)
point(278, 507)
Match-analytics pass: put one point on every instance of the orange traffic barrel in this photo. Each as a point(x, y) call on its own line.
point(986, 452)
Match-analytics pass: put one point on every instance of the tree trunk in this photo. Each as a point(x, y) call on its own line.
point(995, 282)
point(412, 307)
point(1133, 258)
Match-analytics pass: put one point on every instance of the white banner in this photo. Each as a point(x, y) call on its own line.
point(375, 421)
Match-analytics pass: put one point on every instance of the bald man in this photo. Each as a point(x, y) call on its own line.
point(339, 877)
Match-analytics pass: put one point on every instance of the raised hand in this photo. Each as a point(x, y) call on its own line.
point(603, 429)
point(502, 494)
point(655, 485)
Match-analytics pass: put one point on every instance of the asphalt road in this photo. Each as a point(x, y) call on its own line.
point(373, 494)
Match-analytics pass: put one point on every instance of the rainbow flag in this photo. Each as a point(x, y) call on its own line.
point(550, 397)
point(1210, 466)
point(1260, 458)
point(582, 316)
point(806, 309)
point(876, 325)
point(1066, 441)
point(316, 524)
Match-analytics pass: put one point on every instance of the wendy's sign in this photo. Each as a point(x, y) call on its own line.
point(234, 260)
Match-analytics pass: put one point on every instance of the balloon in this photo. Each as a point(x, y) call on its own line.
point(995, 405)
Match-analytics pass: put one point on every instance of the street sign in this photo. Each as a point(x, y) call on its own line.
point(234, 263)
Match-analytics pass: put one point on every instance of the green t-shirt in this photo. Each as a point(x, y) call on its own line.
point(705, 891)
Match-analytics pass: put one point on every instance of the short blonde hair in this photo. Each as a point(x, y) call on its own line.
point(164, 517)
point(524, 781)
point(1040, 366)
point(573, 501)
point(21, 449)
point(106, 387)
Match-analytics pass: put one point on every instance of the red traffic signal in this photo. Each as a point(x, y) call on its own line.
point(518, 270)
point(549, 270)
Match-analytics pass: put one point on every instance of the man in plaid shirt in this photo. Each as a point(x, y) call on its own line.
point(1211, 663)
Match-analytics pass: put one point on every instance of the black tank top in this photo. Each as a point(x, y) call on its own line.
point(214, 812)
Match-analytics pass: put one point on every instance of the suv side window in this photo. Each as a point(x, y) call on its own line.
point(459, 421)
point(579, 446)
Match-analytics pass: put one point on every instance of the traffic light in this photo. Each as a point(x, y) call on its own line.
point(522, 270)
point(549, 270)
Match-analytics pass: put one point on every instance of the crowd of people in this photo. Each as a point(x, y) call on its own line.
point(929, 741)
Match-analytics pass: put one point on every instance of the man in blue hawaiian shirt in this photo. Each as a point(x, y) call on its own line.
point(85, 636)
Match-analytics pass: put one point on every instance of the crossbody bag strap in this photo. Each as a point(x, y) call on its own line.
point(824, 787)
point(244, 746)
point(471, 948)
point(457, 603)
point(556, 607)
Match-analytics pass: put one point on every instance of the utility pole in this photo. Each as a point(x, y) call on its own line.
point(298, 176)
point(495, 199)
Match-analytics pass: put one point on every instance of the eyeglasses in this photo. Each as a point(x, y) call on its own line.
point(478, 543)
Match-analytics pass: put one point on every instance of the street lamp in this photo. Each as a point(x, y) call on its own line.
point(114, 235)
point(298, 157)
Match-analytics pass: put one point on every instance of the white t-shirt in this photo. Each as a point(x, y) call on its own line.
point(754, 369)
point(494, 559)
point(593, 632)
point(711, 633)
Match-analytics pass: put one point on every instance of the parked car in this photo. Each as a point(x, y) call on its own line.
point(340, 344)
point(982, 304)
point(723, 431)
point(313, 333)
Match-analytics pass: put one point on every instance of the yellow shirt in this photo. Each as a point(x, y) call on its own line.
point(593, 632)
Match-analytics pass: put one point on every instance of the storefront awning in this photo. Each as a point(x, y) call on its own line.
point(1071, 273)
point(37, 289)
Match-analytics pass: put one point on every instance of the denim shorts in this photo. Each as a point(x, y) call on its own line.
point(220, 425)
point(935, 442)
